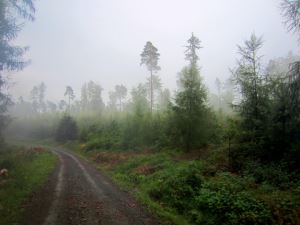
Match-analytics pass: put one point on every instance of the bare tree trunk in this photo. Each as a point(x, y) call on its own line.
point(151, 93)
point(69, 104)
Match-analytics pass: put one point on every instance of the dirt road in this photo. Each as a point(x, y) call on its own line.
point(77, 194)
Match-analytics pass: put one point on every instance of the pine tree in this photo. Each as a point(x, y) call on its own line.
point(70, 94)
point(150, 57)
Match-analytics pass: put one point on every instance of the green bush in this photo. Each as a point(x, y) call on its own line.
point(221, 200)
point(176, 187)
point(229, 208)
point(274, 174)
point(67, 129)
point(107, 137)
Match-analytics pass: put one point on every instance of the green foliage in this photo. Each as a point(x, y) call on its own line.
point(190, 112)
point(12, 14)
point(290, 11)
point(200, 192)
point(226, 200)
point(107, 137)
point(252, 156)
point(219, 201)
point(28, 170)
point(135, 131)
point(193, 44)
point(150, 57)
point(253, 107)
point(269, 112)
point(274, 174)
point(177, 185)
point(183, 187)
point(67, 129)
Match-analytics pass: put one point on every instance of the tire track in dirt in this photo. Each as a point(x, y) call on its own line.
point(86, 174)
point(51, 218)
point(79, 194)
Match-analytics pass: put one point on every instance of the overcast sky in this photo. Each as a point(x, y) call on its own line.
point(74, 41)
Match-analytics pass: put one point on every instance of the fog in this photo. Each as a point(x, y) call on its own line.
point(193, 106)
point(75, 41)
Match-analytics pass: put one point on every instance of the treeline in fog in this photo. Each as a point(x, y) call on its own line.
point(255, 111)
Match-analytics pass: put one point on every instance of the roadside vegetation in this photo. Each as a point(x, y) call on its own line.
point(197, 187)
point(28, 169)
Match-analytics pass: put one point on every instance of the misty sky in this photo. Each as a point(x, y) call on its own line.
point(74, 41)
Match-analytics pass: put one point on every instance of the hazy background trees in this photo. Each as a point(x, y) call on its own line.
point(37, 96)
point(120, 93)
point(91, 97)
point(223, 101)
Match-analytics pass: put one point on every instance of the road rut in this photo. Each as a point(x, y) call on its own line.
point(78, 194)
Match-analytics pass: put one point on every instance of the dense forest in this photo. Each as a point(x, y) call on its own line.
point(242, 144)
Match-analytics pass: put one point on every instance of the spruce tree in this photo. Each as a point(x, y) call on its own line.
point(250, 81)
point(67, 129)
point(190, 101)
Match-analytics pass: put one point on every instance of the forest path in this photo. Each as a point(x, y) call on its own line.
point(78, 194)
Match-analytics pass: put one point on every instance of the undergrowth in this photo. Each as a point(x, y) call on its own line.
point(202, 191)
point(28, 170)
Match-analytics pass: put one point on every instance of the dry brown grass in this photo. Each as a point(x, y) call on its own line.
point(109, 159)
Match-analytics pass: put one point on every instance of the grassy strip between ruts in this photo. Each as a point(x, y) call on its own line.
point(28, 170)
